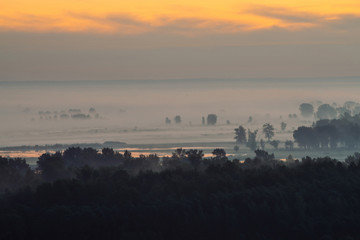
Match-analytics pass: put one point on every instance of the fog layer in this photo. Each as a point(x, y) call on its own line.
point(135, 111)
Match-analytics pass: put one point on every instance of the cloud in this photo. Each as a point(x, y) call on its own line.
point(286, 18)
point(26, 22)
point(261, 18)
point(289, 18)
point(346, 23)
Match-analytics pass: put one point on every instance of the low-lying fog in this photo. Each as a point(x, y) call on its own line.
point(135, 111)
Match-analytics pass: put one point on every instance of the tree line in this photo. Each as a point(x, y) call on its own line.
point(260, 198)
point(343, 132)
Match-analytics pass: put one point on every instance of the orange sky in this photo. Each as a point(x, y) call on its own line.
point(157, 39)
point(185, 17)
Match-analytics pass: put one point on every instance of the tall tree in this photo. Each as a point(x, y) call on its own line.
point(240, 134)
point(268, 131)
point(251, 143)
point(289, 145)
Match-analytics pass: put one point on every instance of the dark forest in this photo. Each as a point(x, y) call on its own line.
point(83, 194)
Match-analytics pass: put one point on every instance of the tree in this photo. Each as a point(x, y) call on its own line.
point(108, 153)
point(327, 135)
point(167, 120)
point(219, 153)
point(240, 134)
point(283, 126)
point(262, 144)
point(14, 173)
point(76, 156)
point(236, 148)
point(177, 119)
point(289, 145)
point(179, 154)
point(343, 111)
point(325, 111)
point(211, 119)
point(306, 110)
point(219, 156)
point(203, 121)
point(350, 105)
point(353, 159)
point(176, 160)
point(51, 166)
point(306, 137)
point(275, 143)
point(251, 143)
point(127, 155)
point(250, 119)
point(268, 130)
point(263, 155)
point(195, 157)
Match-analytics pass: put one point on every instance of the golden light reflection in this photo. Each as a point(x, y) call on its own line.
point(187, 17)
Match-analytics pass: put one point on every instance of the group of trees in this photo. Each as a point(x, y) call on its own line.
point(250, 140)
point(261, 198)
point(327, 111)
point(14, 173)
point(343, 132)
point(210, 120)
point(177, 120)
point(58, 165)
point(69, 114)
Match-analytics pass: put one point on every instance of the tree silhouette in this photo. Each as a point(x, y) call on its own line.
point(177, 119)
point(219, 153)
point(274, 143)
point(268, 131)
point(236, 148)
point(167, 120)
point(306, 110)
point(211, 119)
point(251, 143)
point(263, 155)
point(289, 145)
point(240, 135)
point(195, 157)
point(51, 166)
point(325, 111)
point(306, 137)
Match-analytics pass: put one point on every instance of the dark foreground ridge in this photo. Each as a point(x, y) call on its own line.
point(73, 196)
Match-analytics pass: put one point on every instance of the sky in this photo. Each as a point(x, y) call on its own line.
point(156, 39)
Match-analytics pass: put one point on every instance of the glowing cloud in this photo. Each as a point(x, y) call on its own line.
point(187, 17)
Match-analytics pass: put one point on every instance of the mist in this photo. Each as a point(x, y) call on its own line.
point(135, 111)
